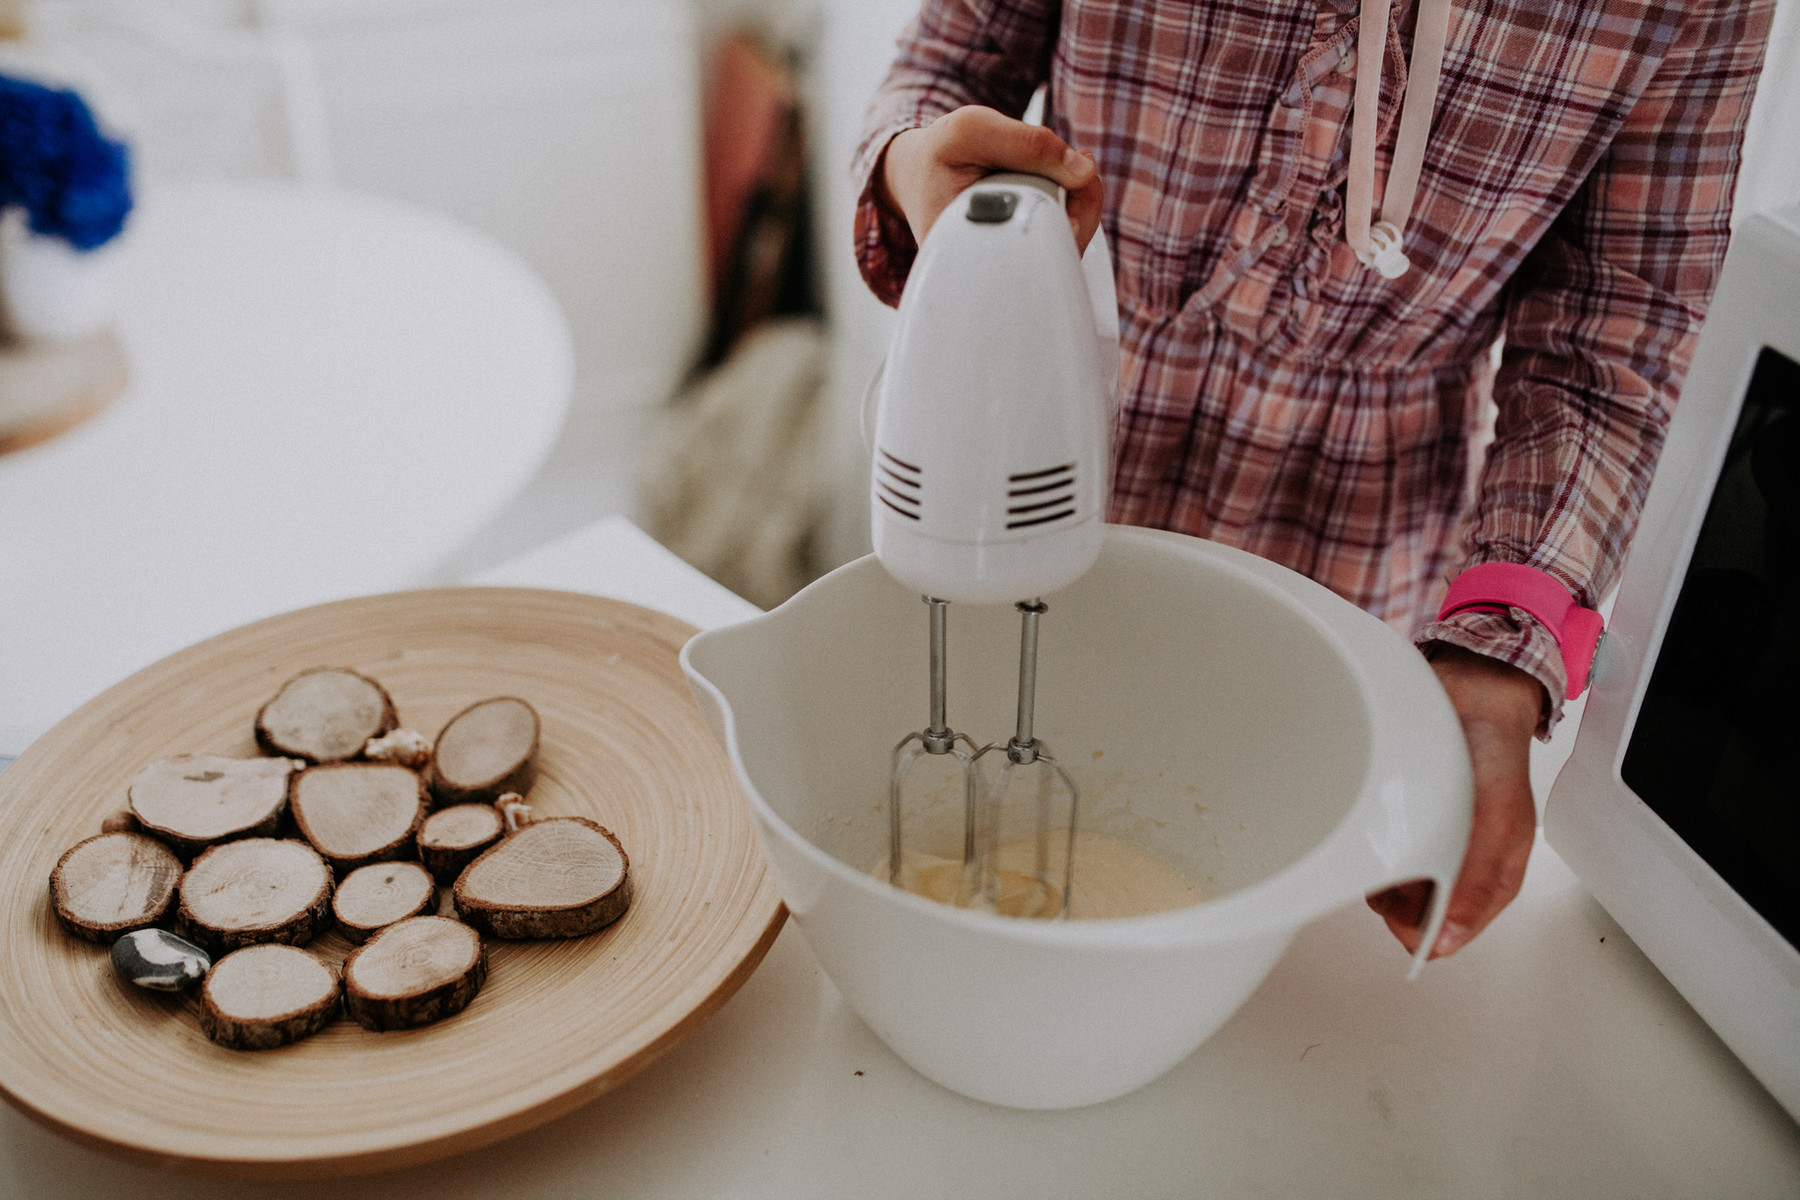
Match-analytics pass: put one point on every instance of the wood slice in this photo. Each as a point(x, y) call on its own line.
point(113, 884)
point(358, 813)
point(559, 1022)
point(561, 877)
point(327, 714)
point(262, 997)
point(252, 891)
point(192, 801)
point(488, 748)
point(373, 897)
point(454, 837)
point(418, 971)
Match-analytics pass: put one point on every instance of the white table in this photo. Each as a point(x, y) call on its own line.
point(330, 393)
point(1548, 1059)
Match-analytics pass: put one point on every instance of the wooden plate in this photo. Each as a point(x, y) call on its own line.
point(557, 1023)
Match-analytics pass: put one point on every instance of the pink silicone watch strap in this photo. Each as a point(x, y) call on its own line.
point(1498, 586)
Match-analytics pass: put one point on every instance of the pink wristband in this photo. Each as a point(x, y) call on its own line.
point(1498, 586)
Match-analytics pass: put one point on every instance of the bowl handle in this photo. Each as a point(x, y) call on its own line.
point(1420, 829)
point(1433, 848)
point(1413, 819)
point(1422, 787)
point(1434, 921)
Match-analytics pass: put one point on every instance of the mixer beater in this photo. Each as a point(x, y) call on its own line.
point(1026, 757)
point(993, 877)
point(990, 474)
point(936, 738)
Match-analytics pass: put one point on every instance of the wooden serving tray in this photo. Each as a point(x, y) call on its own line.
point(557, 1023)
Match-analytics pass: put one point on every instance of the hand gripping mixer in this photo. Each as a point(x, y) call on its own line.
point(989, 484)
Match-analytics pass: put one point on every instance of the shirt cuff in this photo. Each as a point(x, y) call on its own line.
point(884, 242)
point(1516, 638)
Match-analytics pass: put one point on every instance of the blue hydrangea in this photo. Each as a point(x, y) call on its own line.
point(72, 182)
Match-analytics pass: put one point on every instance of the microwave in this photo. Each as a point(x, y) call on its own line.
point(1679, 805)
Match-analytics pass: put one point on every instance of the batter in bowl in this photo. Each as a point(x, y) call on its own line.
point(1113, 878)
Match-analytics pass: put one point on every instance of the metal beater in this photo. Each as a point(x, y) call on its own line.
point(935, 738)
point(991, 469)
point(1027, 758)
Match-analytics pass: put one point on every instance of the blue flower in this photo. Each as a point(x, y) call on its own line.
point(72, 182)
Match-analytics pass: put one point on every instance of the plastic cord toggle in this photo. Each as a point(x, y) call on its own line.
point(1384, 253)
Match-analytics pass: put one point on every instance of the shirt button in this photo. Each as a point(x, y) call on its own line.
point(1280, 237)
point(1346, 63)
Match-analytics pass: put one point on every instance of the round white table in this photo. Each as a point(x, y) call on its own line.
point(330, 394)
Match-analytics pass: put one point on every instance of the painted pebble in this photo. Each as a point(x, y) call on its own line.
point(157, 959)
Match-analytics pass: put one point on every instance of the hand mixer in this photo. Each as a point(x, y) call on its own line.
point(991, 473)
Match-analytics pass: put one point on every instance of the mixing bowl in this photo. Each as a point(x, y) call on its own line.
point(1287, 751)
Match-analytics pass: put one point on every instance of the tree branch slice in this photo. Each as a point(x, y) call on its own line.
point(454, 837)
point(192, 801)
point(266, 996)
point(358, 813)
point(413, 973)
point(555, 878)
point(257, 890)
point(489, 748)
point(327, 714)
point(113, 884)
point(381, 894)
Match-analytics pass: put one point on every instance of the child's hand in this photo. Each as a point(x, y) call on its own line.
point(924, 169)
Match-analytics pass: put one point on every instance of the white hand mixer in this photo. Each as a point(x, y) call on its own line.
point(991, 475)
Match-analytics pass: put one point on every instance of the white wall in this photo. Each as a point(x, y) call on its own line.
point(566, 129)
point(1771, 172)
point(569, 129)
point(856, 44)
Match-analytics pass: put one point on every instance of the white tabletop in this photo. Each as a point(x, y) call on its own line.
point(330, 393)
point(1548, 1059)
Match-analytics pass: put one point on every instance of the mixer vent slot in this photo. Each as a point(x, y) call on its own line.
point(899, 484)
point(1040, 497)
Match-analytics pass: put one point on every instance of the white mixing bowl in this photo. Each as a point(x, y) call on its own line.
point(1287, 751)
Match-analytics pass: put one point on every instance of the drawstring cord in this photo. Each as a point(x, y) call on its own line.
point(1378, 246)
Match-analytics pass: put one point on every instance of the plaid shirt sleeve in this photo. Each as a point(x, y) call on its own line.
point(957, 52)
point(1601, 322)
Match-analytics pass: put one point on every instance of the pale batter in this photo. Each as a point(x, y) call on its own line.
point(1113, 878)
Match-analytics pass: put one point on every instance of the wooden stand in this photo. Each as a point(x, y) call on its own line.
point(50, 385)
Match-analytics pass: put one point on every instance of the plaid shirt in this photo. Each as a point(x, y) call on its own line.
point(1575, 198)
